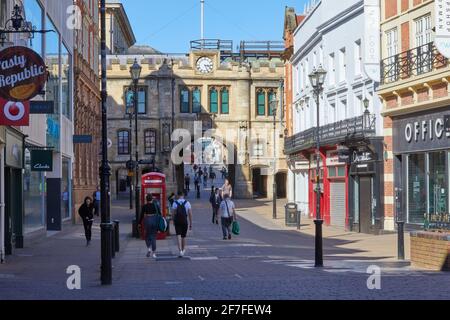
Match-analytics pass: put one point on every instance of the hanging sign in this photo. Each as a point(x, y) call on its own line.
point(442, 39)
point(42, 160)
point(372, 18)
point(14, 113)
point(22, 74)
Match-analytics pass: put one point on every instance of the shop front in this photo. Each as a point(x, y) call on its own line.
point(421, 155)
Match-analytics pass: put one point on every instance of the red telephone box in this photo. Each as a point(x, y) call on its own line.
point(155, 184)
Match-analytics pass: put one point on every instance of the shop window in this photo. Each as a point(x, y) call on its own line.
point(417, 193)
point(438, 192)
point(332, 172)
point(341, 171)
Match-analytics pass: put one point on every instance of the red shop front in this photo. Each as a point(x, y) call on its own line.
point(334, 179)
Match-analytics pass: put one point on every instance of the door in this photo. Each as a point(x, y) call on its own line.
point(365, 204)
point(8, 213)
point(337, 204)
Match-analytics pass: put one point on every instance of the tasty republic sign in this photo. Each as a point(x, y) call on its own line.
point(22, 76)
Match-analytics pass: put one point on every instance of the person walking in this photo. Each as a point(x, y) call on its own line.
point(228, 215)
point(227, 189)
point(182, 213)
point(187, 182)
point(205, 178)
point(149, 220)
point(215, 201)
point(87, 215)
point(97, 196)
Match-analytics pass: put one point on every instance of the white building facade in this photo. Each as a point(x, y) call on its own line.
point(332, 36)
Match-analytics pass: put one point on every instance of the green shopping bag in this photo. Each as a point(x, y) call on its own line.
point(236, 229)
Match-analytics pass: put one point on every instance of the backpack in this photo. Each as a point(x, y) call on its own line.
point(180, 214)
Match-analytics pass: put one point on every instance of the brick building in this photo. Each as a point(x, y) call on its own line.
point(416, 97)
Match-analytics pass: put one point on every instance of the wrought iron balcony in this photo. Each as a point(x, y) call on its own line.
point(350, 129)
point(413, 62)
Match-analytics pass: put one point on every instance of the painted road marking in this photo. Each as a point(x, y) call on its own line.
point(238, 276)
point(204, 258)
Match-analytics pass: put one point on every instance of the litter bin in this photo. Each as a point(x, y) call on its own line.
point(291, 215)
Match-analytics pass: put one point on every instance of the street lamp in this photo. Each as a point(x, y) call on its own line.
point(317, 78)
point(366, 116)
point(135, 72)
point(274, 109)
point(105, 170)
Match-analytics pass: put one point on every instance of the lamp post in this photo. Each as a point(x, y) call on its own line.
point(105, 170)
point(366, 116)
point(135, 72)
point(130, 178)
point(317, 78)
point(274, 109)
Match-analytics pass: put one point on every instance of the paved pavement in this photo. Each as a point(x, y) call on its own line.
point(262, 263)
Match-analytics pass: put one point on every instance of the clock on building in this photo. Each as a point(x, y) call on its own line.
point(205, 65)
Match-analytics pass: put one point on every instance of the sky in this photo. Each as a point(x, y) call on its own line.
point(170, 25)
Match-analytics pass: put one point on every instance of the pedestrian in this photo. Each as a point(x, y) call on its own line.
point(205, 178)
point(215, 201)
point(150, 220)
point(212, 177)
point(228, 215)
point(182, 213)
point(227, 189)
point(171, 199)
point(187, 182)
point(87, 215)
point(197, 185)
point(97, 196)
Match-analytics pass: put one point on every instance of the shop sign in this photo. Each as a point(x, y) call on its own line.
point(14, 150)
point(362, 157)
point(82, 139)
point(42, 160)
point(22, 74)
point(42, 107)
point(442, 23)
point(372, 18)
point(14, 113)
point(421, 132)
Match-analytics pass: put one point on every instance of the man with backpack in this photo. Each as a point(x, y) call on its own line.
point(182, 219)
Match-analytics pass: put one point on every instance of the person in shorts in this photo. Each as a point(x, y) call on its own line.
point(182, 219)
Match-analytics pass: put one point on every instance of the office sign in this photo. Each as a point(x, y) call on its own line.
point(42, 107)
point(372, 18)
point(442, 38)
point(42, 160)
point(14, 113)
point(22, 74)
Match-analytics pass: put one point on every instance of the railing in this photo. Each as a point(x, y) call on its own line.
point(261, 49)
point(224, 46)
point(416, 61)
point(354, 128)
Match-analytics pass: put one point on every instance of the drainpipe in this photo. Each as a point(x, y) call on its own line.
point(2, 204)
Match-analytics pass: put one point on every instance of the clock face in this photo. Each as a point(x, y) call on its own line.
point(205, 65)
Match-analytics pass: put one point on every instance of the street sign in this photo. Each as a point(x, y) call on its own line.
point(42, 107)
point(82, 139)
point(109, 144)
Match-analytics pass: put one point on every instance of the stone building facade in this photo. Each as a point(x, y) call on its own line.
point(177, 91)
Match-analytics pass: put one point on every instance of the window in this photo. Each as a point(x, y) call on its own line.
point(184, 101)
point(196, 101)
point(142, 100)
point(213, 101)
point(342, 65)
point(3, 12)
point(332, 67)
point(123, 142)
point(66, 78)
point(150, 141)
point(272, 96)
point(224, 101)
point(261, 103)
point(358, 58)
point(423, 30)
point(437, 184)
point(417, 194)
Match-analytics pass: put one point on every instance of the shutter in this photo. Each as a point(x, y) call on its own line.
point(337, 204)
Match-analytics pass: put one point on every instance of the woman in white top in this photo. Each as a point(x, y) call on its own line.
point(227, 189)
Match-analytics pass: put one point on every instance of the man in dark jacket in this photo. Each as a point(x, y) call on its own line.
point(215, 201)
point(87, 215)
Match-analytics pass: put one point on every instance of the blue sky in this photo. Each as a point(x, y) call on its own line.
point(169, 25)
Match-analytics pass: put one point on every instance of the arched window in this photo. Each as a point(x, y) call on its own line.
point(196, 101)
point(272, 96)
point(224, 101)
point(213, 101)
point(184, 100)
point(261, 103)
point(150, 141)
point(123, 142)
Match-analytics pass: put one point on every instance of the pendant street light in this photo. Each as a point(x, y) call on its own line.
point(105, 170)
point(317, 78)
point(274, 109)
point(135, 72)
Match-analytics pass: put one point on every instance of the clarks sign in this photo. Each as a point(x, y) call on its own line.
point(22, 74)
point(421, 132)
point(42, 160)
